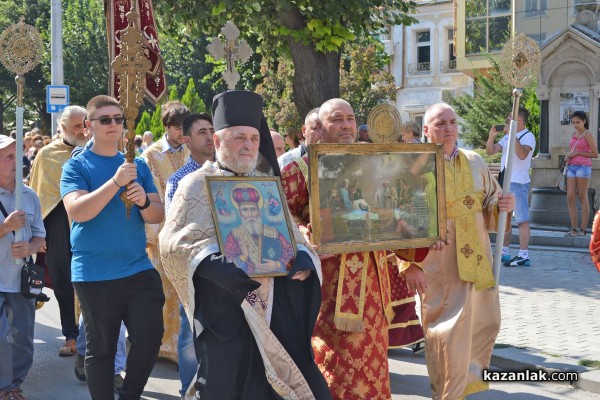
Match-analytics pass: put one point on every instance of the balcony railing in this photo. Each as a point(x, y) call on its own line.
point(448, 66)
point(419, 68)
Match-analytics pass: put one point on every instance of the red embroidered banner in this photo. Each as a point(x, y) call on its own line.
point(116, 21)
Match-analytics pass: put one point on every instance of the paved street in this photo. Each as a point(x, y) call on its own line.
point(550, 314)
point(554, 306)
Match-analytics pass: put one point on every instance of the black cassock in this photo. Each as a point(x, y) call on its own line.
point(231, 366)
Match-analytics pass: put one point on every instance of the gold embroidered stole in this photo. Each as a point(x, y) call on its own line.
point(350, 300)
point(351, 290)
point(303, 166)
point(462, 205)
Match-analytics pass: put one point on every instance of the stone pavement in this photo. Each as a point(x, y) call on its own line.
point(551, 314)
point(550, 319)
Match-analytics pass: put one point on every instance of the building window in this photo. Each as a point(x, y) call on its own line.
point(487, 25)
point(449, 63)
point(423, 51)
point(535, 8)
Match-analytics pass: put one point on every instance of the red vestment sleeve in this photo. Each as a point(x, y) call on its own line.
point(595, 241)
point(296, 193)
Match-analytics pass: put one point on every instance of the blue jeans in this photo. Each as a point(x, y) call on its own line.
point(120, 355)
point(521, 192)
point(188, 364)
point(17, 319)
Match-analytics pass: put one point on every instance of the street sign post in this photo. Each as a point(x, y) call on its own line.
point(57, 98)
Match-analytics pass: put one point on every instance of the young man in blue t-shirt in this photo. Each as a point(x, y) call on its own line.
point(111, 273)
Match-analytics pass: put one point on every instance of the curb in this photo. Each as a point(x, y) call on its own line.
point(519, 359)
point(549, 238)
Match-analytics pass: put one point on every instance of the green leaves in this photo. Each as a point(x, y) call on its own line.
point(219, 9)
point(489, 105)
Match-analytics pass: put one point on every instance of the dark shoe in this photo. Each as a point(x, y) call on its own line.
point(80, 367)
point(68, 349)
point(419, 347)
point(520, 262)
point(118, 383)
point(507, 263)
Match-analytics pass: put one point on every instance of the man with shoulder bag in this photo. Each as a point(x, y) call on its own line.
point(17, 312)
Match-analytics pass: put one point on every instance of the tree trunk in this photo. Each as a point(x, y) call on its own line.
point(316, 74)
point(316, 77)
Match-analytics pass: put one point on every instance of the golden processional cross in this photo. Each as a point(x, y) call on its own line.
point(131, 66)
point(21, 49)
point(231, 51)
point(519, 63)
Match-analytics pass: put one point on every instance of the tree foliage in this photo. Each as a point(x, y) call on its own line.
point(144, 124)
point(490, 104)
point(85, 58)
point(85, 50)
point(277, 93)
point(311, 32)
point(156, 126)
point(364, 84)
point(191, 98)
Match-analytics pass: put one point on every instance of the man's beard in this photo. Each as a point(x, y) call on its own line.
point(235, 164)
point(253, 226)
point(80, 140)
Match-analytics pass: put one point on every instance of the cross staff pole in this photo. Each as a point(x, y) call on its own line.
point(503, 217)
point(20, 80)
point(519, 62)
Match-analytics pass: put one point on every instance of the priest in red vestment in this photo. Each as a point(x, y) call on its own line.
point(350, 339)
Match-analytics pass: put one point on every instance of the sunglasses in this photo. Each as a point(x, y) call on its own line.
point(108, 120)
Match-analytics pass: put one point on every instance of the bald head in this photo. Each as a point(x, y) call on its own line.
point(440, 125)
point(278, 142)
point(338, 122)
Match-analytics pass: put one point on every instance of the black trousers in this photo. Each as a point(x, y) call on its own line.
point(58, 259)
point(232, 369)
point(137, 300)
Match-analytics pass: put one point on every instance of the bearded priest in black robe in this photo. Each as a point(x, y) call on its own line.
point(252, 335)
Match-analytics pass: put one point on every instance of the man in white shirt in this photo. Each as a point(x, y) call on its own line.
point(520, 181)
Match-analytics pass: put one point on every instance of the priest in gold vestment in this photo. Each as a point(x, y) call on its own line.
point(164, 158)
point(460, 303)
point(45, 181)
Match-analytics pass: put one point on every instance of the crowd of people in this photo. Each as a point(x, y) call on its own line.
point(133, 248)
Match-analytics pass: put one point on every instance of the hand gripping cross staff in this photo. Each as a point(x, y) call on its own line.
point(519, 63)
point(21, 49)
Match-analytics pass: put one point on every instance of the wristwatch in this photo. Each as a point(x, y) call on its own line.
point(146, 204)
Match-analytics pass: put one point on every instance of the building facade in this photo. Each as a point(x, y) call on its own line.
point(423, 60)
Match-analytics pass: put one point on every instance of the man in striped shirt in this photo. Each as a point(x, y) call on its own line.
point(198, 133)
